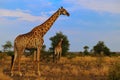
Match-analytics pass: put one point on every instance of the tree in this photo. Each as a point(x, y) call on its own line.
point(55, 39)
point(43, 48)
point(86, 50)
point(100, 47)
point(7, 46)
point(30, 51)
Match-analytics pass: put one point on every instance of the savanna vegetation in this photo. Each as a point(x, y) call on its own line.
point(97, 64)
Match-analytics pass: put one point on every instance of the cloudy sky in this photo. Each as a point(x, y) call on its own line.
point(90, 21)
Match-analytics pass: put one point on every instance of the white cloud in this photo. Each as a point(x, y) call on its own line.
point(111, 6)
point(20, 15)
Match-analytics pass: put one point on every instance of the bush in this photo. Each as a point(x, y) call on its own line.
point(10, 53)
point(115, 54)
point(0, 51)
point(114, 72)
point(101, 48)
point(71, 55)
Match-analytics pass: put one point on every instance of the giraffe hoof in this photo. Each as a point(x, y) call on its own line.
point(11, 73)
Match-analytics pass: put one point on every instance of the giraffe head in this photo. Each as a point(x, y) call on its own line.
point(63, 11)
point(61, 39)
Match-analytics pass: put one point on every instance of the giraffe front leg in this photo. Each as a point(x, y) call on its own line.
point(60, 55)
point(54, 55)
point(19, 71)
point(57, 56)
point(38, 61)
point(34, 59)
point(34, 55)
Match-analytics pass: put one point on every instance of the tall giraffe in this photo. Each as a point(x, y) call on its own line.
point(34, 40)
point(58, 50)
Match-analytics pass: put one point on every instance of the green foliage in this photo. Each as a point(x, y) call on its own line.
point(115, 54)
point(7, 46)
point(29, 52)
point(65, 44)
point(10, 53)
point(86, 50)
point(43, 48)
point(0, 51)
point(71, 55)
point(101, 48)
point(114, 72)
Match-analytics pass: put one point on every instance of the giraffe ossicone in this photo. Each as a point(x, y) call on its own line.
point(34, 39)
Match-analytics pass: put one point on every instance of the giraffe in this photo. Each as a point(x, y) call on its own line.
point(58, 51)
point(34, 40)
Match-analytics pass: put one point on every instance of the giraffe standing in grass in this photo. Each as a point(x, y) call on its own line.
point(58, 51)
point(34, 40)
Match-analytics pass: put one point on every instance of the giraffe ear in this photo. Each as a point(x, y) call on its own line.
point(61, 7)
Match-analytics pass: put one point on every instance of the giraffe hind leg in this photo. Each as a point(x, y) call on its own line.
point(54, 56)
point(59, 55)
point(19, 58)
point(13, 62)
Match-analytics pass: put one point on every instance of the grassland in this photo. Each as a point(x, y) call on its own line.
point(78, 68)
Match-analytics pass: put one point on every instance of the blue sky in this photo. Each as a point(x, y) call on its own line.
point(90, 21)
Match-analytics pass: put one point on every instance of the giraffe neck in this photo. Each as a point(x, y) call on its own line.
point(60, 43)
point(43, 28)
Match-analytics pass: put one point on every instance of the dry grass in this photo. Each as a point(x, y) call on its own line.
point(78, 68)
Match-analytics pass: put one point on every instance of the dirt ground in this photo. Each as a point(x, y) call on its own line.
point(80, 68)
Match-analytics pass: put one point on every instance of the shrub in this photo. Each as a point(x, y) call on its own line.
point(71, 55)
point(0, 51)
point(10, 53)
